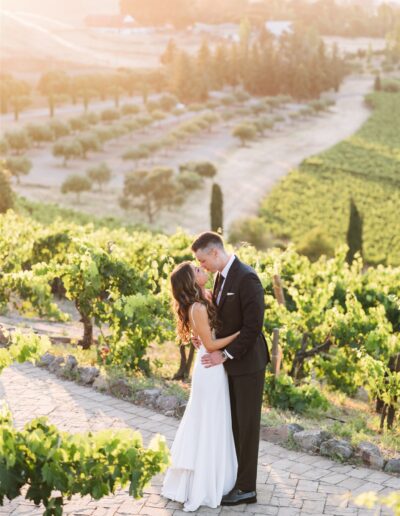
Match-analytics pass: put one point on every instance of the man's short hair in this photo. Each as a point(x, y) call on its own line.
point(206, 240)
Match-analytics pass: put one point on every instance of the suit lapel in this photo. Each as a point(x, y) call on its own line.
point(229, 281)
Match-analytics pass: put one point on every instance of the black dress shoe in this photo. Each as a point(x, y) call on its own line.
point(237, 496)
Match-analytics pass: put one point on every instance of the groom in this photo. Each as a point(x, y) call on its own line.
point(239, 296)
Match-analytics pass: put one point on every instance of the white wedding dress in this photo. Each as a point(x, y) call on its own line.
point(203, 457)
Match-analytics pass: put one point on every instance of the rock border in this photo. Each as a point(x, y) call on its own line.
point(315, 441)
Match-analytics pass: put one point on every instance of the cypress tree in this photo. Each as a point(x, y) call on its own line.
point(216, 208)
point(6, 194)
point(354, 233)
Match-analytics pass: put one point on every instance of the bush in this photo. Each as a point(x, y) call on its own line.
point(18, 141)
point(190, 180)
point(130, 109)
point(109, 115)
point(244, 132)
point(315, 244)
point(252, 230)
point(6, 194)
point(18, 166)
point(100, 174)
point(88, 142)
point(68, 149)
point(39, 133)
point(76, 184)
point(59, 128)
point(283, 394)
point(78, 123)
point(136, 154)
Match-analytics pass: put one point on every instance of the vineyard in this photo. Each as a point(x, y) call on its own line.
point(364, 167)
point(338, 324)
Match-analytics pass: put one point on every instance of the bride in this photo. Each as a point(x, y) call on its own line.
point(203, 456)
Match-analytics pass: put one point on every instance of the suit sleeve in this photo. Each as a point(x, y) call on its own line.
point(251, 295)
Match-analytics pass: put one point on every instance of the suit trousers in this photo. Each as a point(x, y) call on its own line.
point(246, 395)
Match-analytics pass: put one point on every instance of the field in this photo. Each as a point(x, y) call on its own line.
point(364, 167)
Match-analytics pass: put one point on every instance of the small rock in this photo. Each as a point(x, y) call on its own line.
point(87, 375)
point(336, 448)
point(370, 454)
point(281, 433)
point(169, 413)
point(46, 360)
point(167, 403)
point(71, 363)
point(101, 383)
point(311, 440)
point(392, 466)
point(56, 364)
point(147, 396)
point(180, 409)
point(120, 388)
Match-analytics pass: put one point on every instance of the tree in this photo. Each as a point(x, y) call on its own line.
point(136, 154)
point(216, 208)
point(150, 191)
point(109, 115)
point(19, 97)
point(39, 133)
point(378, 83)
point(18, 166)
point(100, 174)
point(68, 150)
point(6, 194)
point(354, 232)
point(169, 53)
point(76, 184)
point(53, 85)
point(88, 142)
point(59, 128)
point(244, 132)
point(18, 141)
point(202, 168)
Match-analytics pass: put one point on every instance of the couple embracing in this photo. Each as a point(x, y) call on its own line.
point(215, 452)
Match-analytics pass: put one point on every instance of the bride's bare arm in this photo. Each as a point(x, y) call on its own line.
point(202, 327)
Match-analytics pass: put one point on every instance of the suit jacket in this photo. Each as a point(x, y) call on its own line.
point(241, 307)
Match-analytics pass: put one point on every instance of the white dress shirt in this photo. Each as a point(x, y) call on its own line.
point(224, 275)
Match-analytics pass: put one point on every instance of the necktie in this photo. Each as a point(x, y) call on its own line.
point(218, 285)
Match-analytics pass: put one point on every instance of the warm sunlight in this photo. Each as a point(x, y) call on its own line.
point(200, 257)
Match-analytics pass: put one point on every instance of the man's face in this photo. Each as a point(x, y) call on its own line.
point(208, 258)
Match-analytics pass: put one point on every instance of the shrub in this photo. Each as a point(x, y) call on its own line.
point(252, 230)
point(315, 244)
point(244, 132)
point(283, 394)
point(6, 194)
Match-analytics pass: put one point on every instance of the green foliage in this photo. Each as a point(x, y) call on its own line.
point(6, 194)
point(68, 149)
point(363, 167)
point(315, 244)
point(354, 232)
point(76, 184)
point(150, 191)
point(18, 166)
point(251, 230)
point(245, 132)
point(216, 208)
point(100, 174)
point(282, 393)
point(48, 461)
point(22, 348)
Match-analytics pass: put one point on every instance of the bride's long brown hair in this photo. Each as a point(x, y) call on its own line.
point(185, 292)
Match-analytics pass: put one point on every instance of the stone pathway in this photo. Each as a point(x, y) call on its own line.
point(289, 483)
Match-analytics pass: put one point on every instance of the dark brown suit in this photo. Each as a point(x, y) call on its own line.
point(241, 307)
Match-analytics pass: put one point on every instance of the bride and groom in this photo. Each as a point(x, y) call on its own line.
point(215, 452)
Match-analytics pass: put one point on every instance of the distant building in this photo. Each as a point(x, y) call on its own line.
point(277, 28)
point(110, 21)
